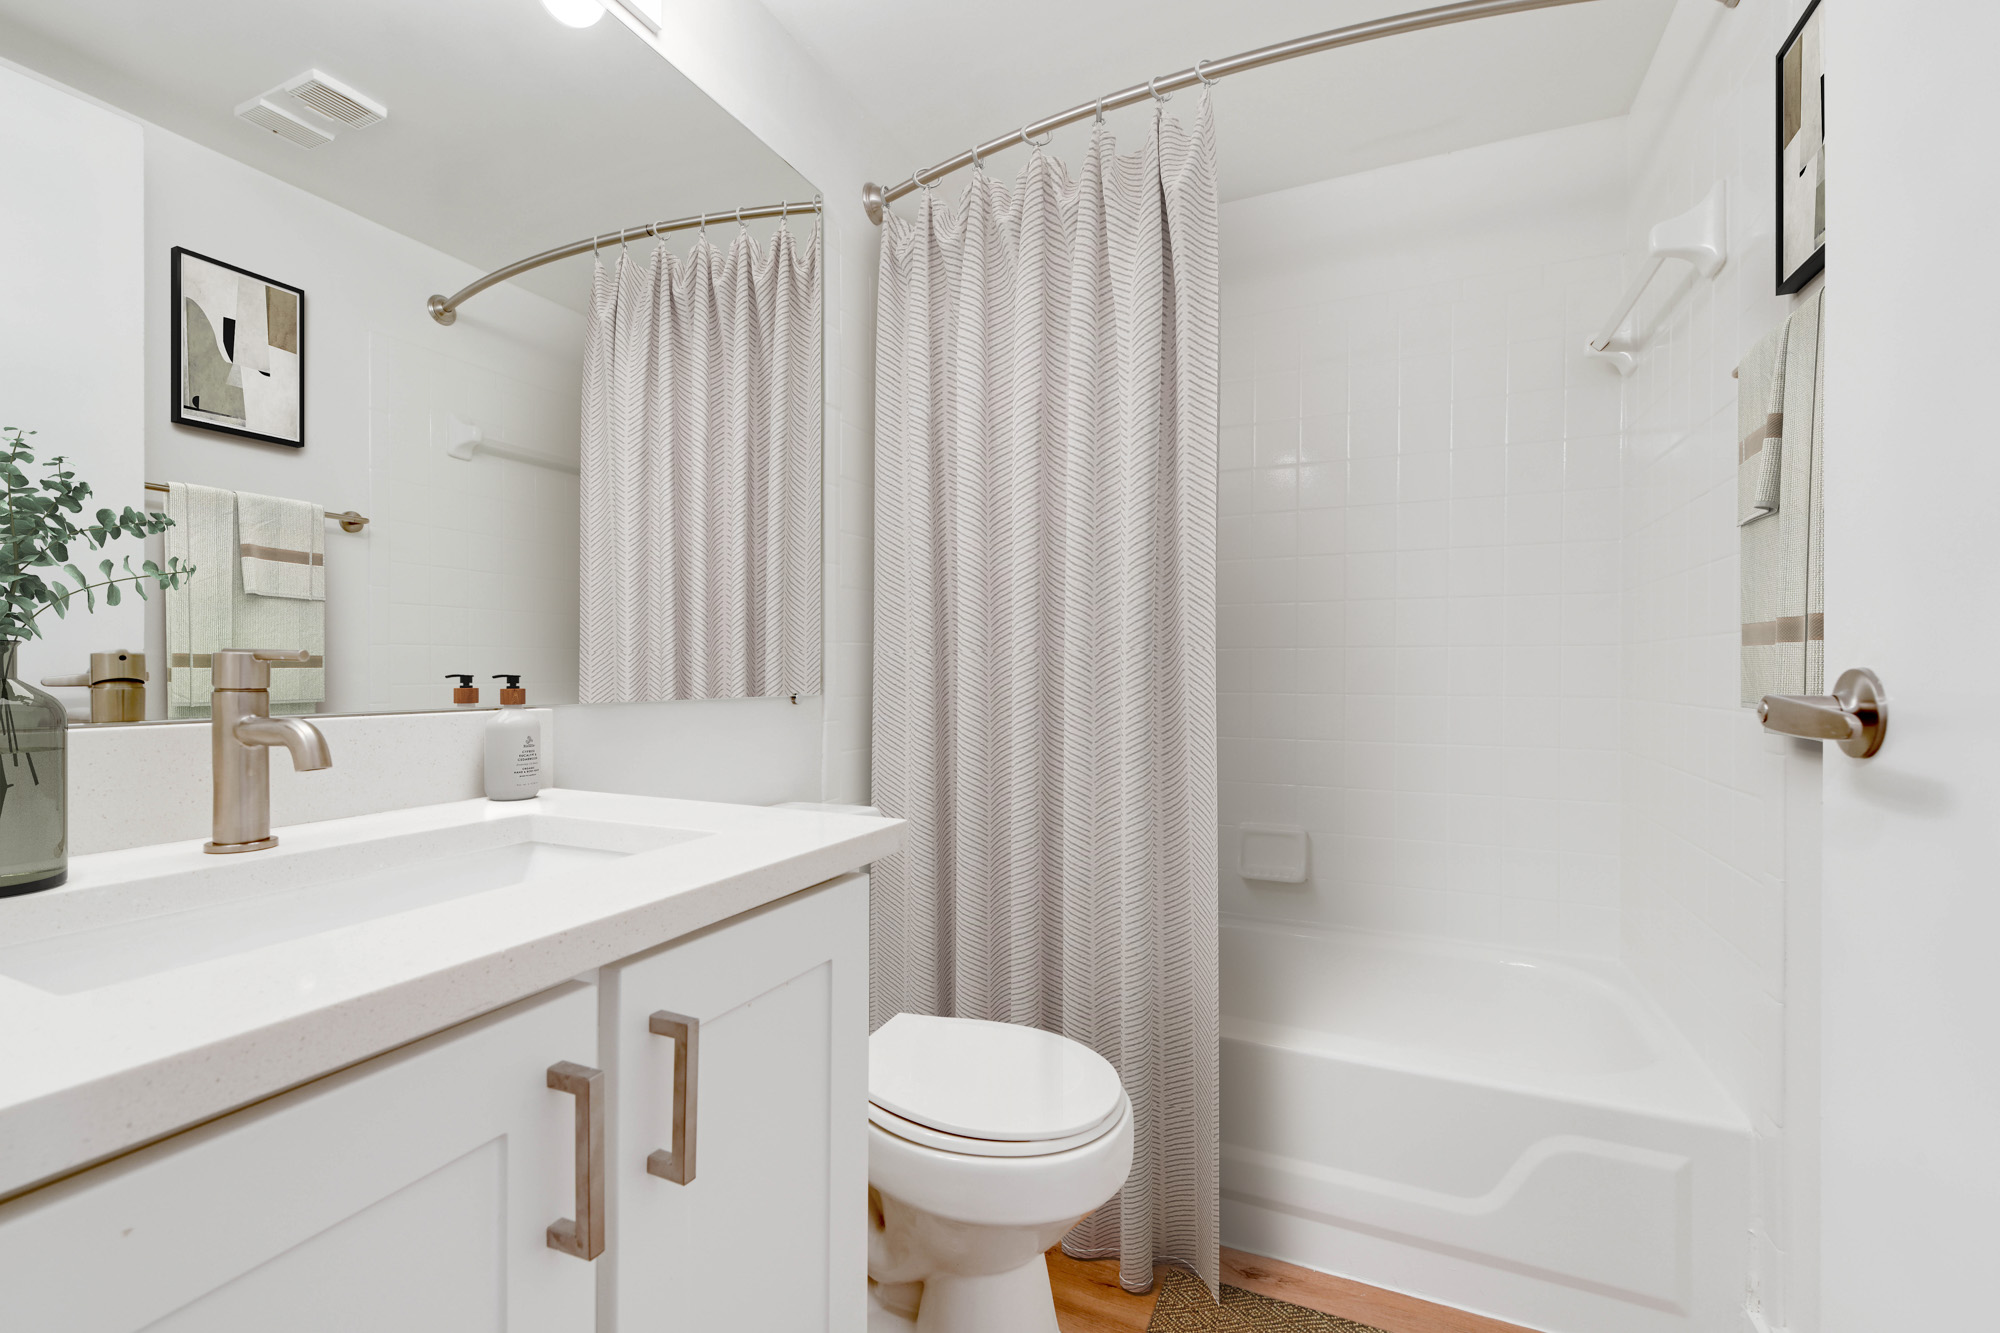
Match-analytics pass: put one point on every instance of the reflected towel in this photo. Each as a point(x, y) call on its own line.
point(212, 610)
point(283, 547)
point(1781, 388)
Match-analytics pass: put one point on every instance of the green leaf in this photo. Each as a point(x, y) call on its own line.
point(90, 599)
point(111, 594)
point(139, 586)
point(76, 574)
point(105, 567)
point(106, 518)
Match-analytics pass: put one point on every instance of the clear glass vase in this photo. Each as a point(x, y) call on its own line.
point(34, 784)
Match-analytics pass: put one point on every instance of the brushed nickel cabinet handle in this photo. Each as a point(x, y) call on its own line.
point(676, 1163)
point(583, 1235)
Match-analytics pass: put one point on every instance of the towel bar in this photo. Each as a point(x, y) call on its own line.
point(1855, 716)
point(1699, 236)
point(349, 520)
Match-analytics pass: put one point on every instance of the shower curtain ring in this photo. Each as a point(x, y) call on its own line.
point(917, 177)
point(1100, 111)
point(1206, 82)
point(977, 165)
point(1154, 90)
point(1048, 137)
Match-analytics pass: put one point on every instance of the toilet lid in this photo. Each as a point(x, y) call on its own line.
point(999, 1081)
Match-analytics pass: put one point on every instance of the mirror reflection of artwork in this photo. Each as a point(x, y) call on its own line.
point(239, 360)
point(1802, 154)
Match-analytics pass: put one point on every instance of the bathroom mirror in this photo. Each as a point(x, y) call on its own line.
point(293, 184)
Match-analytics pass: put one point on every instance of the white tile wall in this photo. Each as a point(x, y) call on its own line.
point(1704, 787)
point(1703, 836)
point(473, 563)
point(1420, 578)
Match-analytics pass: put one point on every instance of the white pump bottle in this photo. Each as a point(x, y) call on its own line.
point(513, 746)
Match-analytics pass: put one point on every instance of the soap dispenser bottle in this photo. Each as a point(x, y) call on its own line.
point(513, 747)
point(465, 693)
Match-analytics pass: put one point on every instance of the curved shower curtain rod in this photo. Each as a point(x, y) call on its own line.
point(876, 198)
point(444, 309)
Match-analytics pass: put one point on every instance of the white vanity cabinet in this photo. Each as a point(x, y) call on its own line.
point(414, 1192)
point(765, 1233)
point(410, 1193)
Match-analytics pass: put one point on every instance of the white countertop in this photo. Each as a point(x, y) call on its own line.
point(87, 1075)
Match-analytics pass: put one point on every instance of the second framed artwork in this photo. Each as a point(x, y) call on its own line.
point(1802, 153)
point(239, 344)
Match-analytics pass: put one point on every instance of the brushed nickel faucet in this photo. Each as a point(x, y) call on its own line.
point(243, 732)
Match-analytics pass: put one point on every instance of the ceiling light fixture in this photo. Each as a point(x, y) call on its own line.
point(575, 13)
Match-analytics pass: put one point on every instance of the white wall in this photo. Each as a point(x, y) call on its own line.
point(1419, 618)
point(473, 568)
point(71, 274)
point(1912, 992)
point(420, 592)
point(1720, 820)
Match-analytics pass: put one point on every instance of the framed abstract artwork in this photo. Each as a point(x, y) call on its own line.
point(239, 351)
point(1802, 154)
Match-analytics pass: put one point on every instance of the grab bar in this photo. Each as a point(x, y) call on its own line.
point(1855, 716)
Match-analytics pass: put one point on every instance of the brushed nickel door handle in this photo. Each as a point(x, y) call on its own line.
point(676, 1163)
point(1855, 716)
point(583, 1235)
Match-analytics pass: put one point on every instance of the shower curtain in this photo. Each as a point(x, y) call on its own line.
point(1045, 687)
point(700, 493)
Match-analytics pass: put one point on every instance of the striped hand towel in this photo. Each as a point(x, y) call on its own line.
point(1780, 390)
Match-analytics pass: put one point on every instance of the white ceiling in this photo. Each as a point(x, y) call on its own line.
point(946, 74)
point(507, 132)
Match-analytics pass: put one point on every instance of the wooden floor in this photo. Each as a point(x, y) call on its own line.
point(1089, 1299)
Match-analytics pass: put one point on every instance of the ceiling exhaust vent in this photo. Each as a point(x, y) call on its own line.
point(335, 100)
point(267, 115)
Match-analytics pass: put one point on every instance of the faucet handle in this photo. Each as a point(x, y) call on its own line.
point(248, 668)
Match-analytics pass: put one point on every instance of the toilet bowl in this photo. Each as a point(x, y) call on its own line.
point(986, 1143)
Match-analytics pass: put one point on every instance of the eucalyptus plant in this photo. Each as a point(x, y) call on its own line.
point(38, 534)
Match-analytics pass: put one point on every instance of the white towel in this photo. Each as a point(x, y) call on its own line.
point(1781, 387)
point(283, 547)
point(212, 610)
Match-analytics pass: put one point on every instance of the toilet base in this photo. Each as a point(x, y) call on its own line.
point(1018, 1301)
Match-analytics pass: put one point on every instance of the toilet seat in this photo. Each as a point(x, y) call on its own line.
point(981, 1089)
point(902, 1128)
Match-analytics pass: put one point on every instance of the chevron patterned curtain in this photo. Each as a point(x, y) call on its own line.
point(700, 495)
point(1045, 692)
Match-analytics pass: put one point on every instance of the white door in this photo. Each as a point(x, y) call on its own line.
point(1910, 1197)
point(410, 1194)
point(767, 1234)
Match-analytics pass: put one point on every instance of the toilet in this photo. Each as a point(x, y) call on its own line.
point(986, 1143)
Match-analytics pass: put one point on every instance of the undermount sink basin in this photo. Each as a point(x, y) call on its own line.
point(192, 911)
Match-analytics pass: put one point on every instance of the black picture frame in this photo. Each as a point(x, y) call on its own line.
point(177, 325)
point(1814, 264)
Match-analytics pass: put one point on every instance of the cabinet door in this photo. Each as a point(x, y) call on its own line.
point(409, 1194)
point(768, 1234)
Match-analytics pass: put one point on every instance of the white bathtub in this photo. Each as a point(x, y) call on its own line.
point(1516, 1135)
